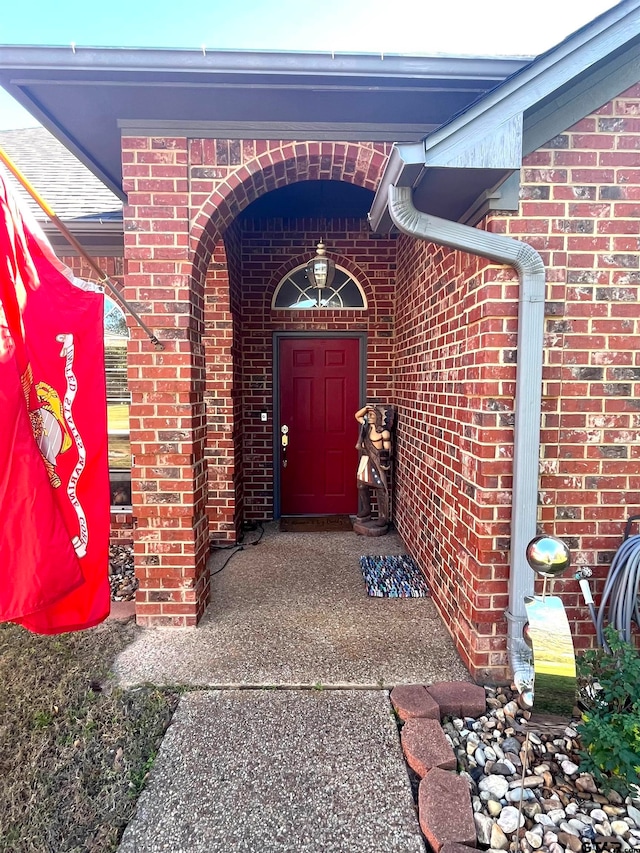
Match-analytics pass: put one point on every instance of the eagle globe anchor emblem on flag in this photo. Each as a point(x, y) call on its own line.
point(55, 432)
point(49, 429)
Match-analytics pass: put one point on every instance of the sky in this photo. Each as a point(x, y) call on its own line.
point(426, 27)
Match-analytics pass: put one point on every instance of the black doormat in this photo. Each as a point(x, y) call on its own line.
point(393, 577)
point(315, 523)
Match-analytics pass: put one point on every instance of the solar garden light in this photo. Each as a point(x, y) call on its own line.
point(321, 270)
point(547, 632)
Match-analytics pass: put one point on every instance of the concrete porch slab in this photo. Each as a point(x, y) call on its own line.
point(294, 611)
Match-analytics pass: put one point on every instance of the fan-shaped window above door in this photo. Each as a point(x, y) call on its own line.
point(296, 292)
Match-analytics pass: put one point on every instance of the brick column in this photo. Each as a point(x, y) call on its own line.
point(167, 387)
point(218, 340)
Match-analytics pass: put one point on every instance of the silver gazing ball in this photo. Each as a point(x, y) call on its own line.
point(548, 557)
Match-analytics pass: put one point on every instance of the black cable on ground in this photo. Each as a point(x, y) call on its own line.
point(247, 526)
point(236, 548)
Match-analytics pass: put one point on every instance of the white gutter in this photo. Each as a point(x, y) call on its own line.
point(528, 264)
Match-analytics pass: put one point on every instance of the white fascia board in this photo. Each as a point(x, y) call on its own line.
point(403, 168)
point(488, 147)
point(578, 100)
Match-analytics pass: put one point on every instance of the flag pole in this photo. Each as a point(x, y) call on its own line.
point(103, 277)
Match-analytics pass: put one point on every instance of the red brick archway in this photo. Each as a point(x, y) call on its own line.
point(183, 196)
point(228, 500)
point(281, 163)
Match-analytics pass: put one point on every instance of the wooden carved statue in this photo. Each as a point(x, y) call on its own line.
point(375, 447)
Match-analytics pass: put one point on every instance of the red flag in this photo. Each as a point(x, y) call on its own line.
point(54, 482)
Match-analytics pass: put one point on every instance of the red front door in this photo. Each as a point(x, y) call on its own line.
point(319, 395)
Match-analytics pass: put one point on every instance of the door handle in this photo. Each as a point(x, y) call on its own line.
point(284, 442)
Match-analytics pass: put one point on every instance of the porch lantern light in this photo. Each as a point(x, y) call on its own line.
point(321, 270)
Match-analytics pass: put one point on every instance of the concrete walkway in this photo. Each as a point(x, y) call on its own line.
point(288, 770)
point(260, 771)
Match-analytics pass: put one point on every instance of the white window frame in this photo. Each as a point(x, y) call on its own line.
point(302, 268)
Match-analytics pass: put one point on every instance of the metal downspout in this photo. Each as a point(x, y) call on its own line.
point(530, 268)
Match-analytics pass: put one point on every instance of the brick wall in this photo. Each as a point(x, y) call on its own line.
point(233, 248)
point(167, 386)
point(187, 403)
point(201, 461)
point(270, 250)
point(583, 191)
point(456, 338)
point(218, 340)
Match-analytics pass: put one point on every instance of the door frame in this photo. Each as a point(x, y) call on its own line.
point(277, 337)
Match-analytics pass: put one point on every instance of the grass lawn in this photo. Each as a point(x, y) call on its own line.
point(74, 748)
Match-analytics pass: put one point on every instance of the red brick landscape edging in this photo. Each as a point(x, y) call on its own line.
point(444, 799)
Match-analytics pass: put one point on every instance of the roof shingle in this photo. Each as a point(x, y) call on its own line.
point(71, 190)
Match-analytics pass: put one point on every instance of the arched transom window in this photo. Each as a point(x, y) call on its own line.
point(295, 291)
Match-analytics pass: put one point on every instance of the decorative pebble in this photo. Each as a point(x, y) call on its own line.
point(586, 783)
point(634, 814)
point(566, 827)
point(518, 794)
point(557, 816)
point(497, 786)
point(494, 808)
point(511, 745)
point(510, 819)
point(531, 809)
point(514, 759)
point(498, 840)
point(619, 827)
point(571, 842)
point(511, 709)
point(534, 840)
point(483, 828)
point(532, 781)
point(555, 807)
point(598, 815)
